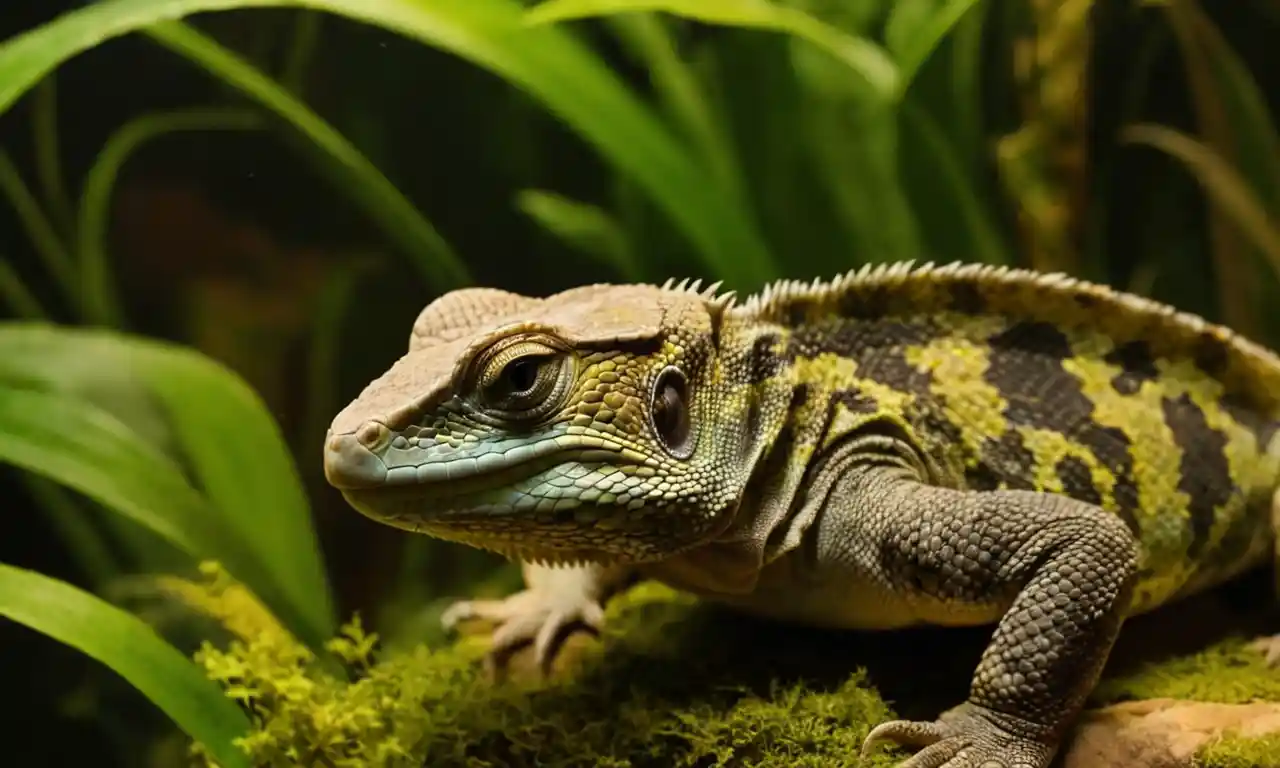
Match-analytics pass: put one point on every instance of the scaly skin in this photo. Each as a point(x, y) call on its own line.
point(958, 445)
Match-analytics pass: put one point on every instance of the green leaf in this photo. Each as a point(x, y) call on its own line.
point(47, 150)
point(1256, 139)
point(967, 89)
point(134, 651)
point(586, 228)
point(96, 286)
point(552, 66)
point(250, 511)
point(86, 543)
point(1215, 80)
point(964, 223)
point(675, 83)
point(52, 250)
point(860, 54)
point(862, 177)
point(15, 293)
point(1220, 181)
point(915, 27)
point(433, 257)
point(753, 81)
point(103, 459)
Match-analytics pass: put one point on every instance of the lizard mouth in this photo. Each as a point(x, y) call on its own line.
point(534, 528)
point(372, 457)
point(556, 497)
point(560, 499)
point(565, 532)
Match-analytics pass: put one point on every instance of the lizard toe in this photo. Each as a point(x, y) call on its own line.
point(966, 737)
point(538, 617)
point(470, 610)
point(558, 626)
point(905, 733)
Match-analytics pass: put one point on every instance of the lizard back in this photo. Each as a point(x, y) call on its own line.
point(1006, 378)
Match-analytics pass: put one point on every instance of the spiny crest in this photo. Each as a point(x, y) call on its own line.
point(718, 302)
point(903, 289)
point(775, 296)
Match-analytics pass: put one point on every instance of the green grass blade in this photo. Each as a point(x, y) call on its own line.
point(134, 651)
point(975, 236)
point(250, 512)
point(586, 228)
point(103, 459)
point(87, 544)
point(968, 88)
point(50, 247)
point(553, 67)
point(47, 148)
point(100, 303)
point(678, 89)
point(862, 177)
point(1236, 286)
point(15, 293)
point(243, 464)
point(302, 49)
point(1256, 139)
point(914, 37)
point(1224, 186)
point(433, 257)
point(860, 54)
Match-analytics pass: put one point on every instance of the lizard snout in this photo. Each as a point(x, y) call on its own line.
point(350, 464)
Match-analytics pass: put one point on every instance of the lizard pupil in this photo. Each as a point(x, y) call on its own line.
point(670, 412)
point(521, 375)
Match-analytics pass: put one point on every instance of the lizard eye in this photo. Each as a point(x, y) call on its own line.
point(670, 413)
point(524, 381)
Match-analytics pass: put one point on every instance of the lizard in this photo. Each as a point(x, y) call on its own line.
point(904, 444)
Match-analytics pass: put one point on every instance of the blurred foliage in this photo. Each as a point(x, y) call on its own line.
point(479, 141)
point(133, 649)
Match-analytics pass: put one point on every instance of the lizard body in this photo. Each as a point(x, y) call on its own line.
point(947, 445)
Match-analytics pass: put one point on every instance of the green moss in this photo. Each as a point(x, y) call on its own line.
point(663, 687)
point(1233, 751)
point(1228, 672)
point(670, 683)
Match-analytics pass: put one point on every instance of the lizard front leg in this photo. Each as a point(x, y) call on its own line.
point(1060, 570)
point(555, 601)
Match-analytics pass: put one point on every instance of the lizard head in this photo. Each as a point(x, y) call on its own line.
point(608, 423)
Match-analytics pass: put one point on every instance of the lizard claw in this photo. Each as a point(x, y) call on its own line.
point(531, 616)
point(968, 736)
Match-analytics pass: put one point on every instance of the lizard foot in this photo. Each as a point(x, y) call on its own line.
point(542, 617)
point(967, 736)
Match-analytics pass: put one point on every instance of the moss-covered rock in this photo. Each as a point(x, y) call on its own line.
point(670, 683)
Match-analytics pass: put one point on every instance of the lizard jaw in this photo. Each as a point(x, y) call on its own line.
point(565, 498)
point(575, 532)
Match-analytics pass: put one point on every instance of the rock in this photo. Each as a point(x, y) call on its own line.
point(1162, 733)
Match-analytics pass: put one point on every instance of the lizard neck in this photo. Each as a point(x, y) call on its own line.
point(788, 420)
point(832, 382)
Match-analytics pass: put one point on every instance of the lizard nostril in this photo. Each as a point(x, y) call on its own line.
point(372, 435)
